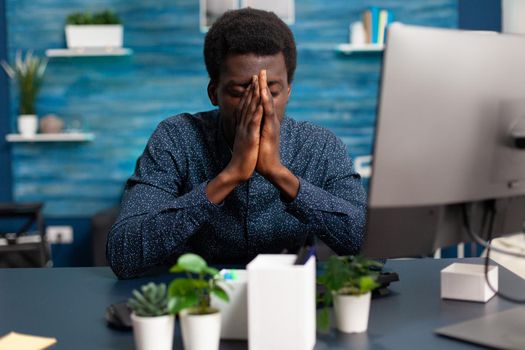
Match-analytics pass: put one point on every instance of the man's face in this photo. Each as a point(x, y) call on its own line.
point(235, 77)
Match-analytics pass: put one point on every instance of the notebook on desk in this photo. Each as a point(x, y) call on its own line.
point(502, 330)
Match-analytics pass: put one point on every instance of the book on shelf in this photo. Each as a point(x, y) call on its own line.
point(375, 23)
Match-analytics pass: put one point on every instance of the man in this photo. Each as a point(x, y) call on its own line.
point(243, 179)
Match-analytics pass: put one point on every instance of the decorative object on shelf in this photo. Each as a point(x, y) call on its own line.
point(210, 10)
point(153, 325)
point(99, 30)
point(51, 124)
point(27, 124)
point(190, 297)
point(358, 34)
point(29, 74)
point(375, 22)
point(348, 282)
point(75, 123)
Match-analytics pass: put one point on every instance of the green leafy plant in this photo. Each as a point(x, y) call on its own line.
point(193, 291)
point(151, 301)
point(28, 72)
point(84, 18)
point(345, 275)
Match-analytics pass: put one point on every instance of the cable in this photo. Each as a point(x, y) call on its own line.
point(476, 238)
point(487, 258)
point(492, 217)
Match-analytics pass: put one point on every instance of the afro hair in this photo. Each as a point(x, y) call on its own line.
point(248, 31)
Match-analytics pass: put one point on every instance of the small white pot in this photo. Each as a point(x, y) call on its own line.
point(94, 35)
point(153, 333)
point(27, 124)
point(200, 332)
point(351, 312)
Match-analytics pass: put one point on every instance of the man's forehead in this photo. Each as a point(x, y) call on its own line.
point(240, 68)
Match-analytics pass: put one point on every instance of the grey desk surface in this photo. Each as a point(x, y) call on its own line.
point(69, 304)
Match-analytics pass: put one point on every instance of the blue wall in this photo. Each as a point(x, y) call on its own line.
point(123, 99)
point(5, 161)
point(479, 14)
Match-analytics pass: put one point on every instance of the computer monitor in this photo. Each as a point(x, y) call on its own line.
point(450, 126)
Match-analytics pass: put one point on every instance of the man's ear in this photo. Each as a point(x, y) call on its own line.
point(289, 90)
point(212, 93)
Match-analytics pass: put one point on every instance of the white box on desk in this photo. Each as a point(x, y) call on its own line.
point(281, 303)
point(467, 282)
point(234, 314)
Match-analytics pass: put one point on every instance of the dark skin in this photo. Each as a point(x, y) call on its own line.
point(252, 93)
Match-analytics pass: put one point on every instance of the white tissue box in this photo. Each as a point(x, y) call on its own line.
point(234, 314)
point(467, 282)
point(281, 303)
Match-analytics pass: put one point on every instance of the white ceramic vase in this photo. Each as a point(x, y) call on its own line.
point(94, 36)
point(200, 332)
point(153, 333)
point(27, 124)
point(351, 312)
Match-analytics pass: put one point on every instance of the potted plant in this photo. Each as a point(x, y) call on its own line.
point(28, 73)
point(348, 283)
point(153, 325)
point(99, 30)
point(190, 298)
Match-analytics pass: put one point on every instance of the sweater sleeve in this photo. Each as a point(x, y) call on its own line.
point(336, 210)
point(156, 218)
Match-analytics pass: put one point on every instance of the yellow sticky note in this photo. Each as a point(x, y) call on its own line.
point(19, 341)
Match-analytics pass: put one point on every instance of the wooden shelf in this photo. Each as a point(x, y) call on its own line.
point(348, 49)
point(62, 137)
point(89, 52)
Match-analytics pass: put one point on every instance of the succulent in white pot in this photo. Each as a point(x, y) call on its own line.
point(99, 30)
point(348, 282)
point(28, 72)
point(153, 325)
point(190, 297)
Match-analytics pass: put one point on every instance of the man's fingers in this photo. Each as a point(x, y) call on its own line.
point(263, 79)
point(238, 110)
point(256, 98)
point(245, 115)
point(267, 102)
point(257, 116)
point(266, 95)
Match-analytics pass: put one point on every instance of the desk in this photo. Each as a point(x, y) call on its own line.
point(69, 304)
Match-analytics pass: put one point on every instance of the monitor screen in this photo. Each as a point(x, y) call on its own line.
point(450, 114)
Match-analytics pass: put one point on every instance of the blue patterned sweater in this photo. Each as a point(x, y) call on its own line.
point(165, 211)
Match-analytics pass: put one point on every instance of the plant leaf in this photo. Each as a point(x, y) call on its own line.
point(180, 287)
point(7, 68)
point(192, 263)
point(366, 284)
point(211, 271)
point(178, 304)
point(176, 269)
point(220, 293)
point(323, 319)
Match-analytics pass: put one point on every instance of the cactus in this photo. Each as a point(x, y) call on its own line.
point(151, 301)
